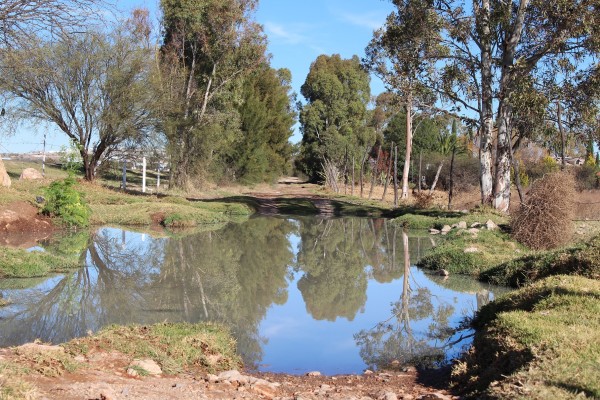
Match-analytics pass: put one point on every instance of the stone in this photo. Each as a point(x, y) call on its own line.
point(4, 178)
point(434, 396)
point(443, 272)
point(462, 225)
point(408, 397)
point(265, 390)
point(446, 228)
point(39, 348)
point(388, 396)
point(368, 372)
point(490, 225)
point(30, 174)
point(313, 373)
point(233, 376)
point(475, 225)
point(471, 250)
point(434, 231)
point(474, 231)
point(148, 365)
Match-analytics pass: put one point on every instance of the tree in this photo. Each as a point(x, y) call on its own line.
point(20, 19)
point(208, 46)
point(334, 122)
point(401, 54)
point(92, 86)
point(263, 151)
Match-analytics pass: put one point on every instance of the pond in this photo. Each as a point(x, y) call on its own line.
point(300, 294)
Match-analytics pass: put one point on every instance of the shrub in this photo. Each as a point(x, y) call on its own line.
point(545, 220)
point(423, 200)
point(65, 202)
point(586, 177)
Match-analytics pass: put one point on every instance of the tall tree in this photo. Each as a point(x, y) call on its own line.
point(92, 86)
point(401, 54)
point(208, 45)
point(262, 151)
point(334, 122)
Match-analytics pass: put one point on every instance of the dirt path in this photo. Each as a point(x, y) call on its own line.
point(104, 376)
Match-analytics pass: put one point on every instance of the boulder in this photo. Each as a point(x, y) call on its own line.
point(30, 174)
point(4, 178)
point(434, 231)
point(446, 229)
point(491, 225)
point(462, 225)
point(148, 365)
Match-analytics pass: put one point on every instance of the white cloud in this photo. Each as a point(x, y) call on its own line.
point(371, 20)
point(288, 35)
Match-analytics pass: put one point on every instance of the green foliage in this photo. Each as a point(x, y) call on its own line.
point(70, 158)
point(67, 203)
point(262, 151)
point(334, 121)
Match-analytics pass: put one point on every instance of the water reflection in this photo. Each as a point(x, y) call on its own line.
point(302, 294)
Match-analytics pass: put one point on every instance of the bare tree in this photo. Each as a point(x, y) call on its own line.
point(23, 19)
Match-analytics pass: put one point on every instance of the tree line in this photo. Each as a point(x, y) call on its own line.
point(485, 76)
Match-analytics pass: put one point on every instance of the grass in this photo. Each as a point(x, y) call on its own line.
point(12, 386)
point(436, 218)
point(582, 259)
point(492, 248)
point(175, 347)
point(539, 342)
point(19, 263)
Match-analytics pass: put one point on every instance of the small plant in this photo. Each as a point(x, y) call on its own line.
point(545, 220)
point(65, 202)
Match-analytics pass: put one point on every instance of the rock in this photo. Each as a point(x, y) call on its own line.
point(79, 358)
point(443, 272)
point(4, 178)
point(409, 368)
point(434, 396)
point(475, 225)
point(265, 390)
point(30, 174)
point(474, 231)
point(434, 231)
point(233, 376)
point(313, 373)
point(368, 372)
point(490, 225)
point(446, 229)
point(388, 396)
point(148, 365)
point(471, 250)
point(212, 378)
point(39, 348)
point(408, 397)
point(462, 225)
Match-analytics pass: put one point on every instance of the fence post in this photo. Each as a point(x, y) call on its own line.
point(143, 174)
point(124, 184)
point(158, 177)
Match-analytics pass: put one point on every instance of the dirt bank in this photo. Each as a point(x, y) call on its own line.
point(22, 226)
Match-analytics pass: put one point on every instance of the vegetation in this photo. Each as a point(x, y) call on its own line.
point(175, 347)
point(65, 202)
point(538, 342)
point(18, 263)
point(545, 220)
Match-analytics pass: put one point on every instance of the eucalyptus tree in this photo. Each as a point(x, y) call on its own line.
point(208, 46)
point(92, 86)
point(402, 54)
point(335, 120)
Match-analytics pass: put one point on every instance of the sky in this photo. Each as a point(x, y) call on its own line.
point(298, 32)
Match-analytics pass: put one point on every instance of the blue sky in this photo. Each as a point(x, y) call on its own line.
point(298, 32)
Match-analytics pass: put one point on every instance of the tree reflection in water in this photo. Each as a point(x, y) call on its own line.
point(394, 340)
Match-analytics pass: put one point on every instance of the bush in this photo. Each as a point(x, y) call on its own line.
point(545, 220)
point(586, 177)
point(537, 169)
point(65, 202)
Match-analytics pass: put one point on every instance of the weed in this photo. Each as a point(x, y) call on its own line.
point(67, 203)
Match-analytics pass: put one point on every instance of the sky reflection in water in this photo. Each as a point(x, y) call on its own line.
point(300, 294)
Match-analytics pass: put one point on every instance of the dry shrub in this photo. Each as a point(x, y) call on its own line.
point(545, 220)
point(423, 200)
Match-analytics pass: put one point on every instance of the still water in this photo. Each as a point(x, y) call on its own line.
point(302, 294)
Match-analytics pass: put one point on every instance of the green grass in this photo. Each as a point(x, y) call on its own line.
point(539, 342)
point(434, 218)
point(493, 248)
point(581, 259)
point(175, 347)
point(18, 263)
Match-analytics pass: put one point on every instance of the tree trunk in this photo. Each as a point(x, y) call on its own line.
point(389, 172)
point(374, 173)
point(562, 134)
point(451, 189)
point(420, 172)
point(515, 165)
point(486, 129)
point(501, 192)
point(362, 170)
point(409, 136)
point(352, 190)
point(396, 176)
point(437, 176)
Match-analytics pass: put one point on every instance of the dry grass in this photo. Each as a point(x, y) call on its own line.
point(545, 220)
